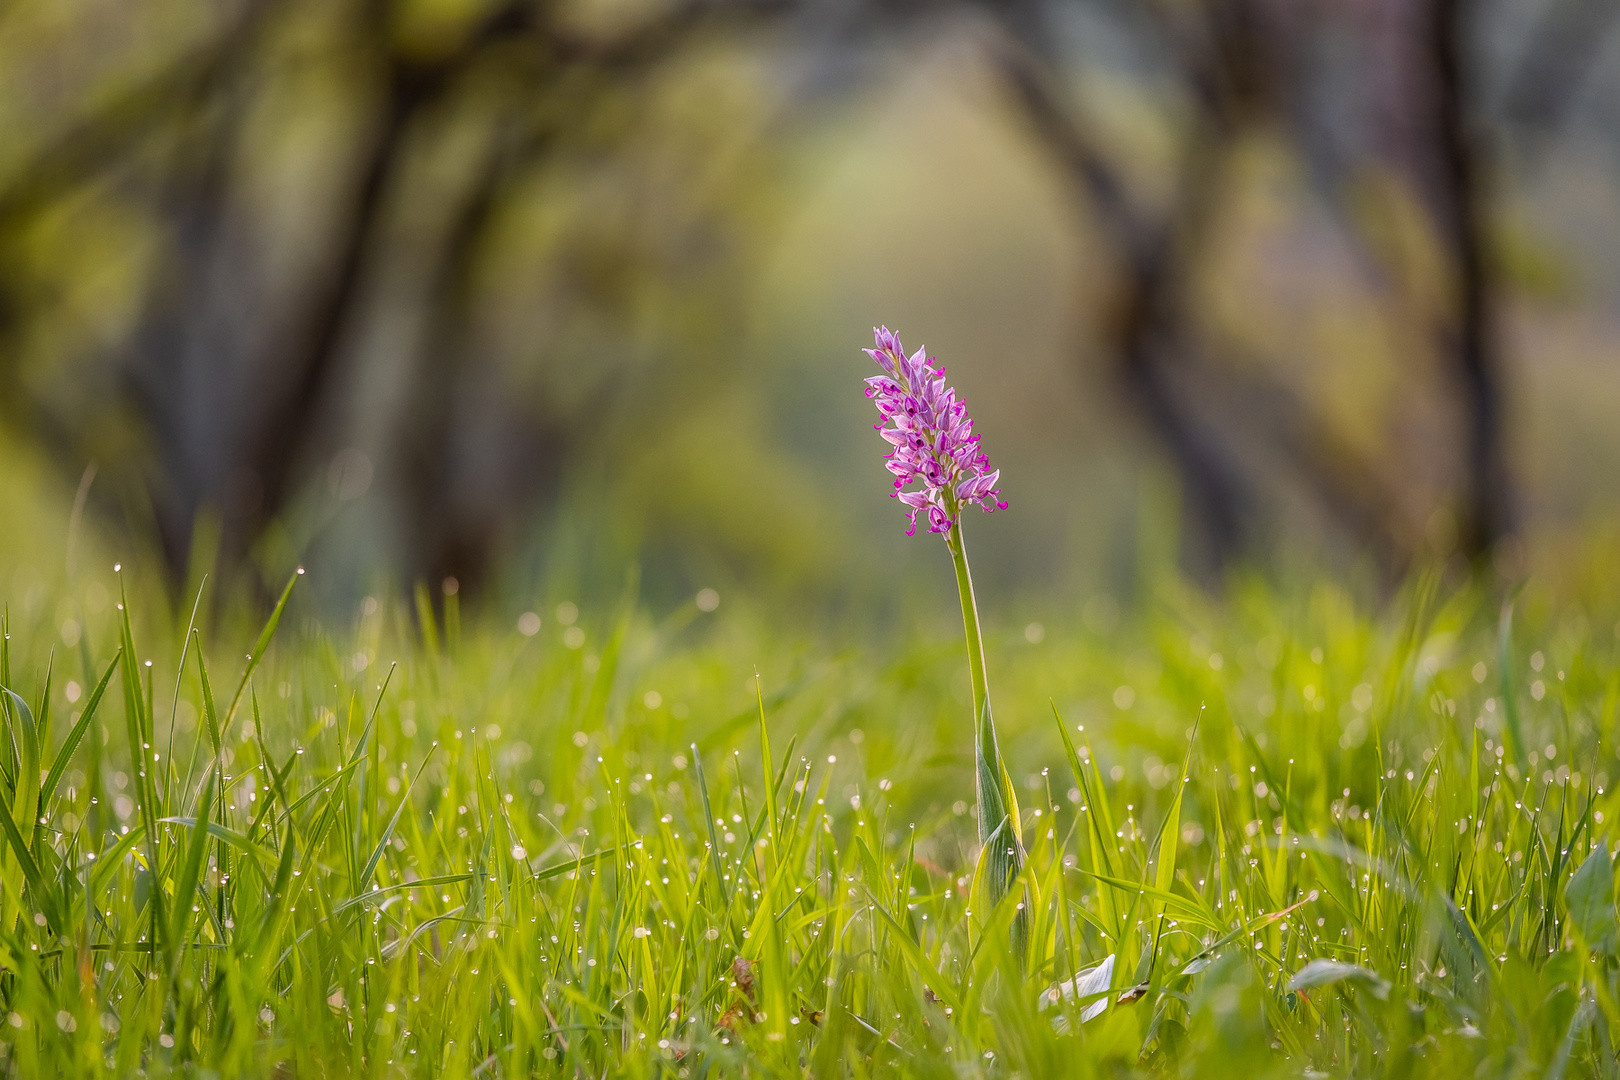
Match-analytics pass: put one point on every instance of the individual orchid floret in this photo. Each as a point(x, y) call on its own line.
point(932, 436)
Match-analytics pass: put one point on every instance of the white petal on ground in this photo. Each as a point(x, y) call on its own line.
point(1092, 980)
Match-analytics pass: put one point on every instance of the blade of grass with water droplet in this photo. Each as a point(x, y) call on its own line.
point(1510, 697)
point(190, 873)
point(64, 756)
point(259, 646)
point(136, 725)
point(44, 900)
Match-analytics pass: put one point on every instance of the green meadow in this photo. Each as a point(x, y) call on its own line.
point(1282, 833)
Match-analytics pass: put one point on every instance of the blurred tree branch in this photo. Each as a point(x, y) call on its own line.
point(100, 140)
point(1152, 333)
point(238, 425)
point(1235, 62)
point(1145, 326)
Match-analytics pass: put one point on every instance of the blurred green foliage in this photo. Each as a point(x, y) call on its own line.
point(417, 290)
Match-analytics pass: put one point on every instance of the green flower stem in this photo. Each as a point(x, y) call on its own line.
point(970, 616)
point(998, 802)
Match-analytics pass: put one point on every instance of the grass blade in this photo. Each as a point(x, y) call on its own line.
point(75, 735)
point(43, 897)
point(259, 646)
point(185, 887)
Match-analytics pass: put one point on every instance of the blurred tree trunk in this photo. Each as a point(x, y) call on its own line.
point(1554, 66)
point(238, 395)
point(1460, 211)
point(1146, 324)
point(1238, 64)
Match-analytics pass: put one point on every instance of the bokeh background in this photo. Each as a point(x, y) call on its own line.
point(489, 290)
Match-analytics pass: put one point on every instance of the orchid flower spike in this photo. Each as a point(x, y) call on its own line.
point(932, 436)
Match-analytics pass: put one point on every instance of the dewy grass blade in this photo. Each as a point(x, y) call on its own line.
point(10, 761)
point(185, 889)
point(21, 811)
point(322, 787)
point(767, 770)
point(210, 725)
point(42, 710)
point(1164, 877)
point(387, 835)
point(44, 899)
point(1100, 836)
point(235, 839)
point(425, 621)
point(723, 901)
point(1185, 908)
point(179, 677)
point(371, 720)
point(1506, 679)
point(257, 655)
point(209, 715)
point(75, 734)
point(375, 896)
point(107, 862)
point(26, 741)
point(138, 728)
point(276, 783)
point(280, 899)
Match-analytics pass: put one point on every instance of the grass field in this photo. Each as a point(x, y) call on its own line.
point(1313, 839)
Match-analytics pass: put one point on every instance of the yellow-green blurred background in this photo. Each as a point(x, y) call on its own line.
point(409, 290)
